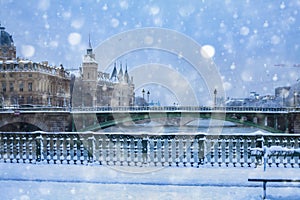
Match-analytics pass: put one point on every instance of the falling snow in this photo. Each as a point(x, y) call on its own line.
point(266, 32)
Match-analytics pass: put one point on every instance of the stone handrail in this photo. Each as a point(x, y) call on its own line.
point(137, 149)
point(181, 108)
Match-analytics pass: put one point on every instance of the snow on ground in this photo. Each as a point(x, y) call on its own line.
point(42, 181)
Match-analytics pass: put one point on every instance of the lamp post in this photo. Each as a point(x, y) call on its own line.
point(143, 91)
point(148, 97)
point(215, 97)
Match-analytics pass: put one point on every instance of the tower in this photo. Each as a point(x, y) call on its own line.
point(90, 73)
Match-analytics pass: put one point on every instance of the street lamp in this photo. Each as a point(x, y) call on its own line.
point(148, 95)
point(143, 91)
point(215, 97)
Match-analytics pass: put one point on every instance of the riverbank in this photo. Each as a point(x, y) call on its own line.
point(42, 181)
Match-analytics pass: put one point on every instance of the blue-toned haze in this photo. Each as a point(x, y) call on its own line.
point(248, 37)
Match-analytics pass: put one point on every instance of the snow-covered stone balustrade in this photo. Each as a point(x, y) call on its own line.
point(143, 149)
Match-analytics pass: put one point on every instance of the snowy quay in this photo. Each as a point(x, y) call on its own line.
point(87, 165)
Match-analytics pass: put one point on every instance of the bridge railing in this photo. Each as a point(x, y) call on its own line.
point(150, 109)
point(137, 149)
point(181, 108)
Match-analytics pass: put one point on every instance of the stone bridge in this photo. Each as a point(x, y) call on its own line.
point(93, 119)
point(35, 120)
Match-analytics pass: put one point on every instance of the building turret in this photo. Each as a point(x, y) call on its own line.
point(7, 48)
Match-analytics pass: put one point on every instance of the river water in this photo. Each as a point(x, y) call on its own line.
point(199, 126)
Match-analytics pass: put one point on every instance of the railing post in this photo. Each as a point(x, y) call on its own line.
point(91, 148)
point(39, 147)
point(259, 144)
point(201, 149)
point(145, 150)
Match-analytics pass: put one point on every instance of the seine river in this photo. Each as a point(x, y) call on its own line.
point(200, 126)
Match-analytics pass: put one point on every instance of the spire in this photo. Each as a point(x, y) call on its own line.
point(114, 73)
point(120, 75)
point(126, 76)
point(89, 51)
point(90, 45)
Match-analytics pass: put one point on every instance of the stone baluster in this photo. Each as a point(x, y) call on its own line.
point(155, 159)
point(151, 151)
point(91, 149)
point(170, 151)
point(185, 149)
point(11, 149)
point(201, 150)
point(68, 149)
point(220, 152)
point(249, 146)
point(180, 152)
point(75, 150)
point(165, 148)
point(135, 152)
point(30, 150)
point(278, 156)
point(208, 150)
point(55, 157)
point(138, 151)
point(269, 142)
point(113, 148)
point(212, 152)
point(61, 149)
point(292, 158)
point(5, 152)
point(297, 159)
point(286, 156)
point(238, 151)
point(242, 149)
point(106, 145)
point(234, 152)
point(227, 160)
point(162, 152)
point(39, 148)
point(259, 144)
point(174, 150)
point(100, 149)
point(48, 149)
point(81, 150)
point(192, 151)
point(129, 151)
point(18, 150)
point(24, 148)
point(159, 151)
point(121, 151)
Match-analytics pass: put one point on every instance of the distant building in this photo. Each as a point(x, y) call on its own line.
point(27, 82)
point(95, 88)
point(7, 48)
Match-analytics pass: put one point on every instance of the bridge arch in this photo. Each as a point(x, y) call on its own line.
point(20, 122)
point(19, 127)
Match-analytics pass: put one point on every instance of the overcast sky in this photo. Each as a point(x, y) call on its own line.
point(246, 38)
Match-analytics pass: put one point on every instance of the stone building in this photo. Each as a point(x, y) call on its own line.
point(27, 82)
point(94, 88)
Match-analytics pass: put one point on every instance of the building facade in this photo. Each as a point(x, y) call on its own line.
point(27, 82)
point(94, 88)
